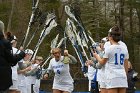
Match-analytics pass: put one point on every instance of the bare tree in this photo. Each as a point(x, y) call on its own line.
point(121, 17)
point(131, 28)
point(1, 1)
point(138, 13)
point(11, 14)
point(131, 16)
point(105, 9)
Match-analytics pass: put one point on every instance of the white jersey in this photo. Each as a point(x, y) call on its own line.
point(107, 44)
point(101, 76)
point(22, 81)
point(31, 80)
point(114, 68)
point(91, 73)
point(14, 71)
point(14, 68)
point(62, 79)
point(101, 73)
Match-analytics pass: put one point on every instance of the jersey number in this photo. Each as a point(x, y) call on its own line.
point(58, 71)
point(121, 59)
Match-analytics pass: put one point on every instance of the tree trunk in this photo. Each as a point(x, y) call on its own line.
point(105, 9)
point(1, 1)
point(131, 30)
point(11, 14)
point(138, 13)
point(121, 18)
point(115, 10)
point(130, 16)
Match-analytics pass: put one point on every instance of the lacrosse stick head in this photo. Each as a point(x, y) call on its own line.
point(54, 41)
point(51, 16)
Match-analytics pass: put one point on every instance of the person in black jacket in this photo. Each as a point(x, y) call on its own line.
point(7, 59)
point(132, 79)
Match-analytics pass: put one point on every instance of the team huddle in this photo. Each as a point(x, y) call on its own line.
point(107, 68)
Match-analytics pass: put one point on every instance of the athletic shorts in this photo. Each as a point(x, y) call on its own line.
point(64, 87)
point(14, 86)
point(102, 85)
point(116, 83)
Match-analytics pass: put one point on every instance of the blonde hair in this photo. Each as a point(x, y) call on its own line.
point(55, 50)
point(39, 58)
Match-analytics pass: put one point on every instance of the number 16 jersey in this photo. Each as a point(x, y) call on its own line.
point(114, 68)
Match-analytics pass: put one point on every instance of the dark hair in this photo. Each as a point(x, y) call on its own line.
point(9, 36)
point(115, 33)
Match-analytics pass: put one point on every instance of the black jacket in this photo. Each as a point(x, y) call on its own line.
point(131, 81)
point(7, 59)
